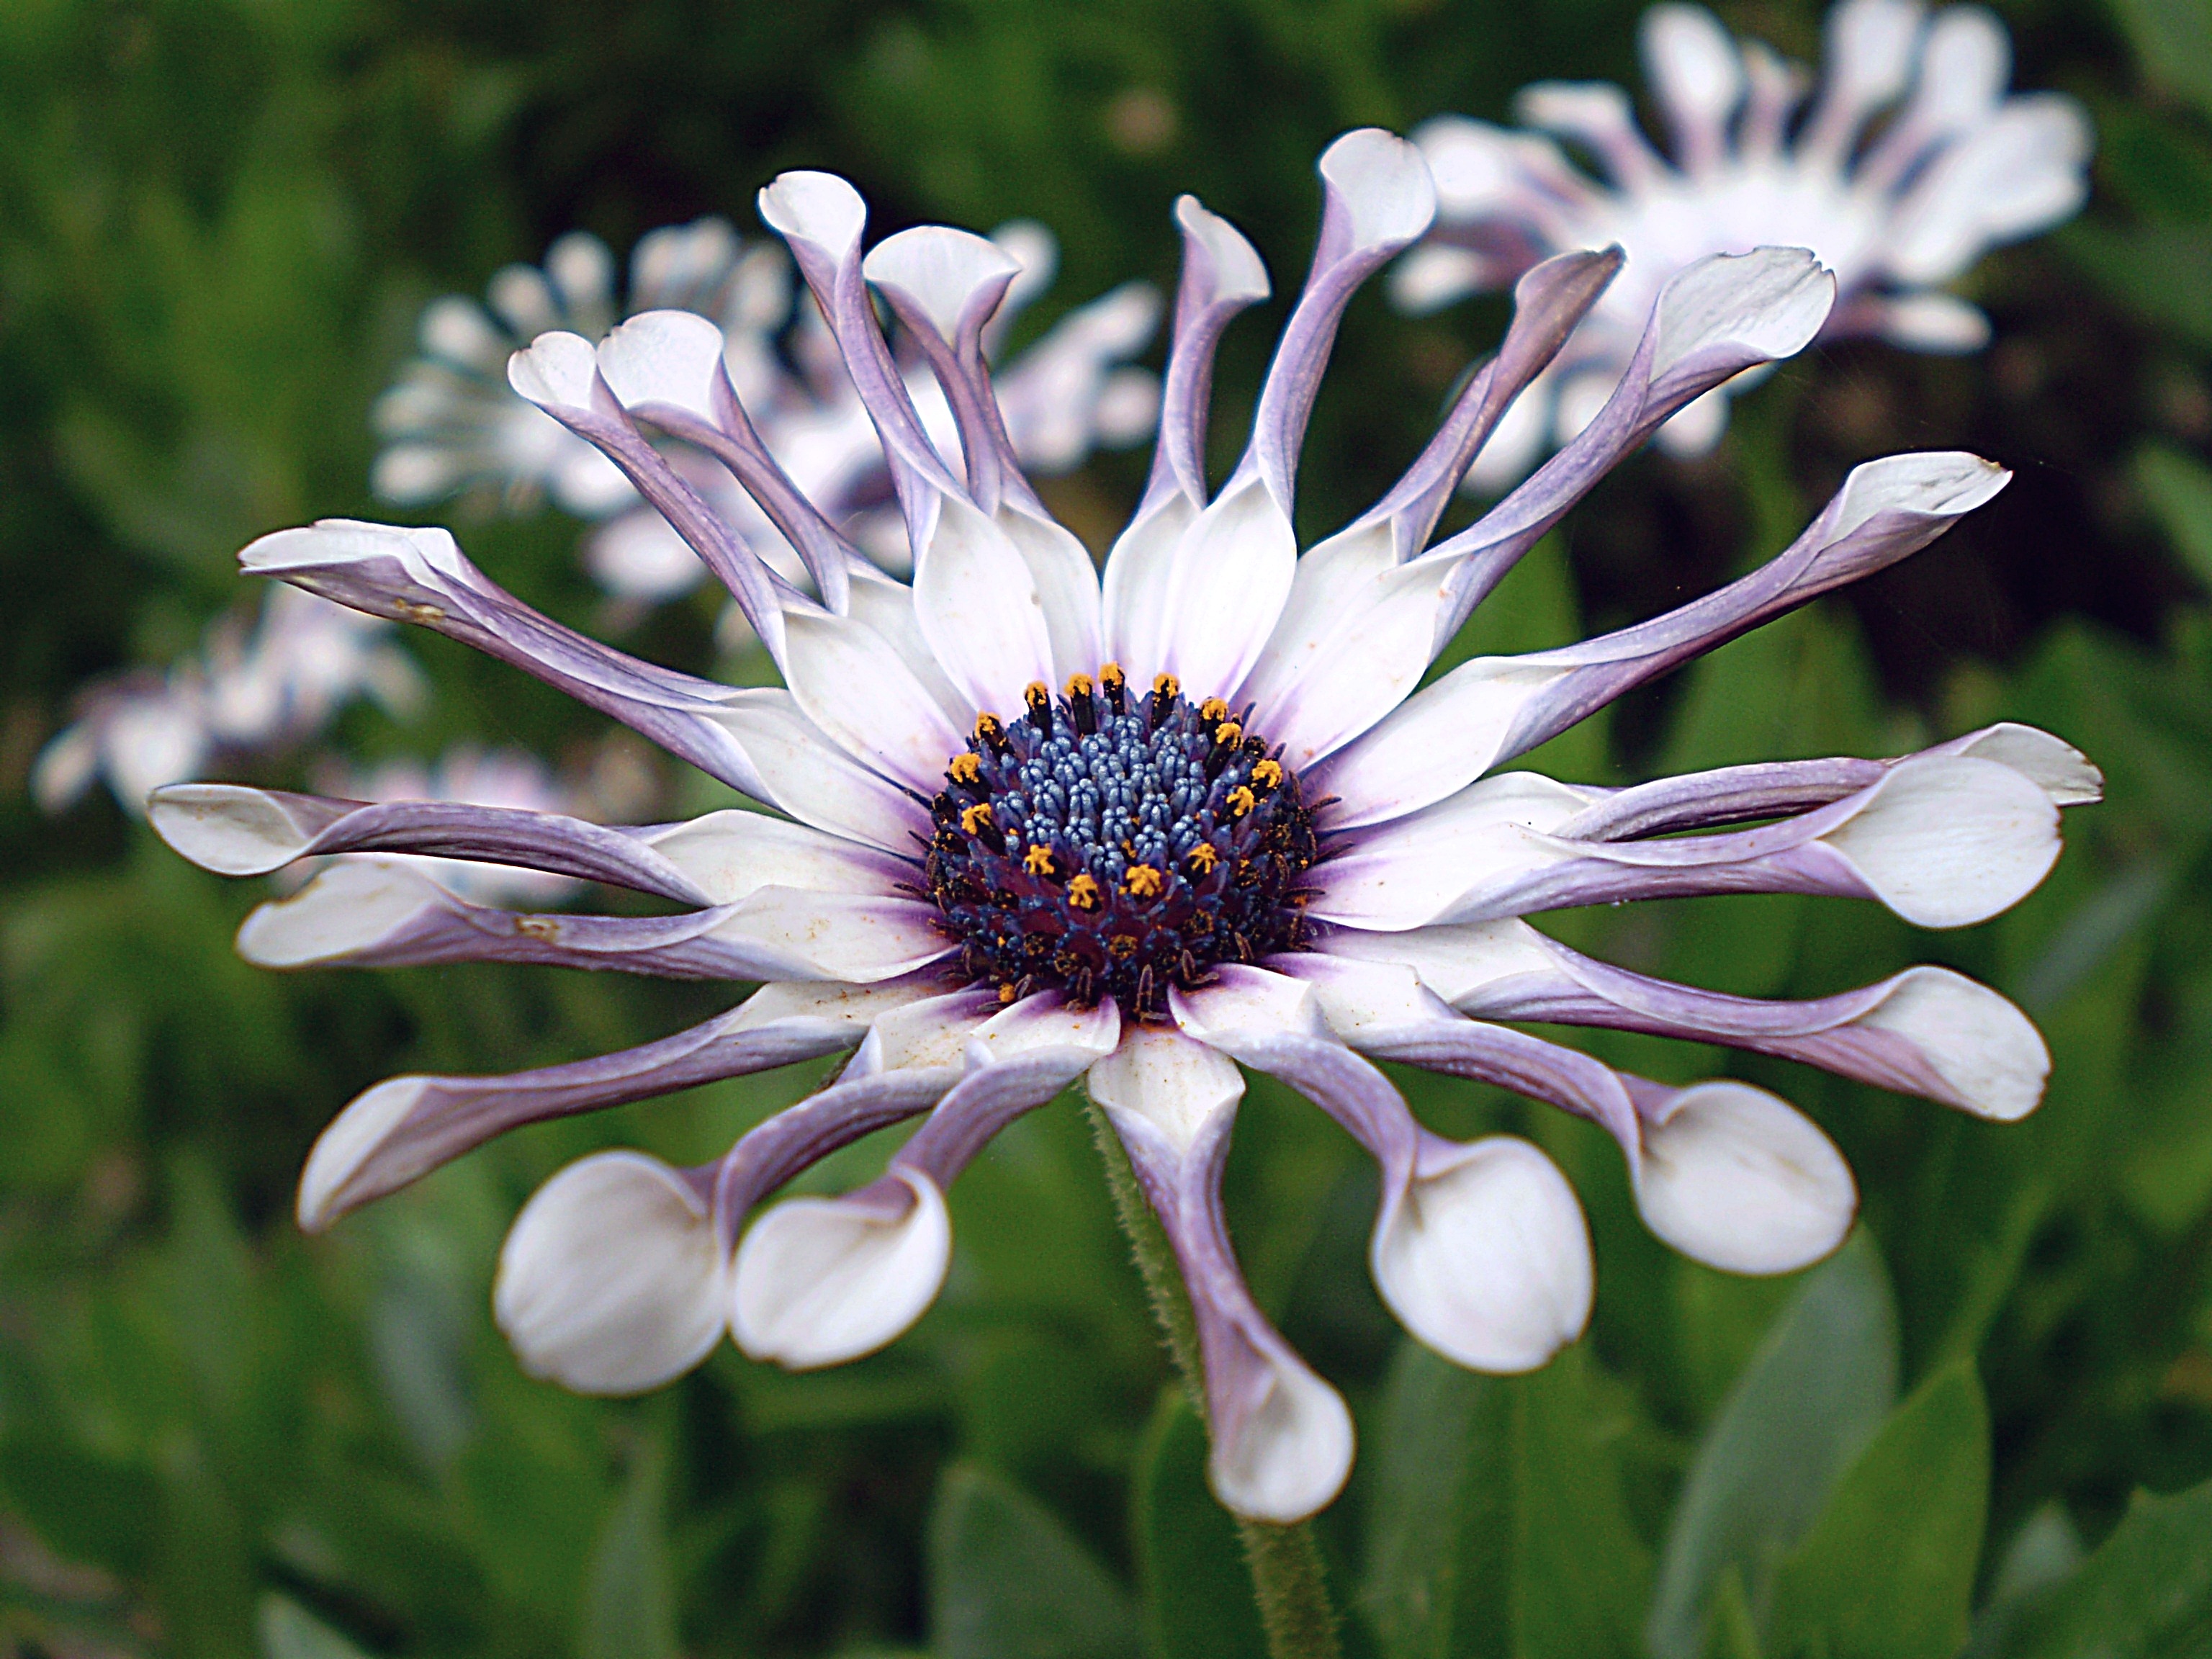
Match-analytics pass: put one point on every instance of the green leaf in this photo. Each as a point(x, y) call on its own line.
point(2145, 1594)
point(288, 1631)
point(2173, 40)
point(1497, 1521)
point(1815, 1393)
point(1006, 1580)
point(2161, 272)
point(630, 1593)
point(1888, 1571)
point(83, 1506)
point(2180, 491)
point(1197, 1598)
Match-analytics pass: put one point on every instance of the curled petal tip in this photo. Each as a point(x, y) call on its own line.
point(556, 370)
point(1486, 1258)
point(1988, 1053)
point(1238, 273)
point(1766, 304)
point(350, 541)
point(229, 828)
point(1383, 184)
point(941, 270)
point(1290, 1452)
point(1946, 840)
point(1733, 1178)
point(348, 1143)
point(344, 909)
point(820, 1281)
point(663, 357)
point(613, 1280)
point(814, 207)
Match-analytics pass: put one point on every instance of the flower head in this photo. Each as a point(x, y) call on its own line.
point(452, 423)
point(1152, 830)
point(1957, 168)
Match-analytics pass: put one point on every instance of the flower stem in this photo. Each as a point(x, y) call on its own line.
point(1287, 1575)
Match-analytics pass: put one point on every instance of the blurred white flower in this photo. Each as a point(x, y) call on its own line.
point(1895, 210)
point(512, 780)
point(245, 695)
point(452, 424)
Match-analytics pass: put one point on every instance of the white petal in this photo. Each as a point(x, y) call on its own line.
point(813, 780)
point(1039, 1026)
point(1231, 574)
point(1456, 961)
point(1291, 1454)
point(228, 827)
point(1243, 1003)
point(940, 269)
point(1964, 67)
point(814, 207)
point(1933, 322)
point(1358, 994)
point(832, 935)
point(1135, 607)
point(1409, 871)
point(853, 685)
point(1066, 585)
point(1946, 840)
point(1769, 302)
point(1173, 1086)
point(931, 1034)
point(612, 1280)
point(1239, 274)
point(732, 854)
point(1472, 165)
point(1694, 428)
point(348, 907)
point(2022, 170)
point(1385, 183)
point(2057, 767)
point(342, 541)
point(639, 556)
point(347, 1142)
point(1986, 1049)
point(1869, 49)
point(982, 610)
point(1486, 1258)
point(1693, 66)
point(1433, 275)
point(1736, 1179)
point(1948, 483)
point(663, 357)
point(556, 370)
point(820, 1281)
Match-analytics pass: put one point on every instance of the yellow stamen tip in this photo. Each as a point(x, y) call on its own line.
point(1166, 685)
point(1083, 892)
point(1212, 708)
point(965, 768)
point(1241, 801)
point(1142, 882)
point(1203, 857)
point(1005, 994)
point(973, 818)
point(1037, 861)
point(1228, 734)
point(1079, 685)
point(1267, 774)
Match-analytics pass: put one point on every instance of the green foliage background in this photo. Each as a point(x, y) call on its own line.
point(218, 219)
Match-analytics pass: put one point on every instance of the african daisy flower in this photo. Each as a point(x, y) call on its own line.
point(452, 423)
point(1029, 826)
point(1958, 168)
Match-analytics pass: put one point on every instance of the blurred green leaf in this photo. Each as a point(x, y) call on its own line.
point(2178, 488)
point(1496, 1520)
point(2163, 273)
point(81, 1506)
point(1814, 1394)
point(2173, 40)
point(288, 1631)
point(1007, 1581)
point(2146, 1593)
point(1888, 1570)
point(629, 1595)
point(1197, 1591)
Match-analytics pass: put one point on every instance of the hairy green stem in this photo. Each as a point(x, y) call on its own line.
point(1287, 1575)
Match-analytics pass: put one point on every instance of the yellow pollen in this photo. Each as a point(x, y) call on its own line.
point(1203, 857)
point(1111, 677)
point(973, 818)
point(1005, 994)
point(1142, 882)
point(1213, 709)
point(1083, 892)
point(1036, 694)
point(1267, 774)
point(1121, 947)
point(1037, 861)
point(1166, 685)
point(1241, 801)
point(965, 768)
point(1079, 685)
point(1228, 734)
point(989, 728)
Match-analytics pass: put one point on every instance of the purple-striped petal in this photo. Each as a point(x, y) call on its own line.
point(1494, 708)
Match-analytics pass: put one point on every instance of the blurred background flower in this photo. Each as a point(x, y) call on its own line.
point(223, 223)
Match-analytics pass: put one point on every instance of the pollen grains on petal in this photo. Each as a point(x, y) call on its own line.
point(228, 827)
point(612, 1280)
point(1741, 1181)
point(348, 907)
point(1947, 840)
point(822, 1280)
point(1486, 1258)
point(1986, 1050)
point(1290, 1452)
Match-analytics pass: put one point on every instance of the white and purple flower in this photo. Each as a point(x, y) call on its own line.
point(1234, 837)
point(452, 424)
point(246, 694)
point(1957, 168)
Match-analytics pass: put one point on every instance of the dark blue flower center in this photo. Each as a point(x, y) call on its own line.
point(1109, 845)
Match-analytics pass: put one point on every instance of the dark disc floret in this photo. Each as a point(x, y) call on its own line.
point(1112, 845)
